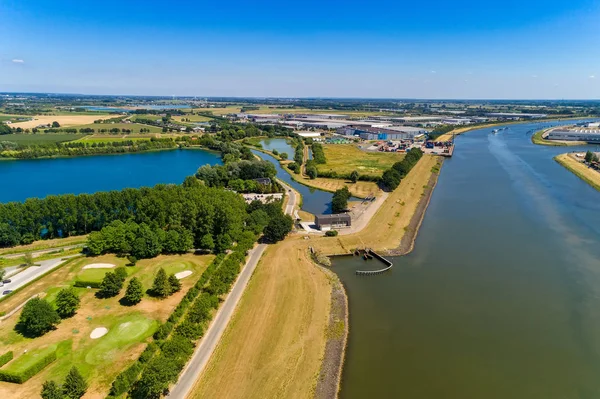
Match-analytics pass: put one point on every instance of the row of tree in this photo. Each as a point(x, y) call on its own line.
point(391, 177)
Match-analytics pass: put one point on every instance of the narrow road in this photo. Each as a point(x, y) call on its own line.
point(35, 254)
point(31, 273)
point(209, 342)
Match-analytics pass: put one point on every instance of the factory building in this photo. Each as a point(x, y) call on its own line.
point(388, 133)
point(587, 135)
point(335, 221)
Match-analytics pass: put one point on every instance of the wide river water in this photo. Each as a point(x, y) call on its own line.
point(500, 297)
point(23, 179)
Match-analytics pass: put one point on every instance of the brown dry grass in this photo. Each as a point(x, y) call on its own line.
point(64, 120)
point(590, 176)
point(44, 244)
point(360, 189)
point(275, 342)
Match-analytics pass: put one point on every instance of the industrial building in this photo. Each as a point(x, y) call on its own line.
point(387, 133)
point(514, 115)
point(335, 221)
point(587, 135)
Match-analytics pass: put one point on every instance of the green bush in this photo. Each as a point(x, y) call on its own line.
point(126, 379)
point(85, 284)
point(19, 378)
point(7, 357)
point(331, 233)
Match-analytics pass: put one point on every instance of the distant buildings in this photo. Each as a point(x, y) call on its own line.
point(515, 116)
point(577, 134)
point(387, 133)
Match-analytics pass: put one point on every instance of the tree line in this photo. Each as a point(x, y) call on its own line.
point(391, 177)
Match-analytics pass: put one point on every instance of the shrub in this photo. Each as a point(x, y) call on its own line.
point(19, 378)
point(7, 357)
point(85, 284)
point(126, 379)
point(67, 303)
point(331, 233)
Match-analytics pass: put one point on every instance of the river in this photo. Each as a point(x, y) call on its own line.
point(23, 179)
point(500, 297)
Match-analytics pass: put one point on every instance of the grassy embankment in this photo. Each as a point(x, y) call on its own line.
point(275, 344)
point(590, 176)
point(130, 328)
point(537, 138)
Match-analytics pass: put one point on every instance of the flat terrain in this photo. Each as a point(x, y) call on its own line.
point(109, 138)
point(129, 328)
point(360, 189)
point(589, 175)
point(274, 344)
point(134, 127)
point(40, 138)
point(538, 138)
point(346, 158)
point(64, 120)
point(191, 118)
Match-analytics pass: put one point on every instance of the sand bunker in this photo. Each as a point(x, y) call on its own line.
point(98, 332)
point(99, 266)
point(183, 274)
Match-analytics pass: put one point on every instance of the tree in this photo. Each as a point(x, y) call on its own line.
point(391, 179)
point(55, 124)
point(111, 286)
point(37, 318)
point(311, 171)
point(121, 273)
point(279, 226)
point(67, 303)
point(174, 283)
point(28, 259)
point(161, 287)
point(134, 292)
point(589, 156)
point(339, 202)
point(75, 385)
point(51, 390)
point(2, 273)
point(354, 176)
point(283, 156)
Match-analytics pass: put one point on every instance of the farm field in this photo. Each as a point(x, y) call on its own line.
point(63, 120)
point(13, 118)
point(264, 109)
point(192, 118)
point(345, 158)
point(41, 138)
point(129, 328)
point(106, 127)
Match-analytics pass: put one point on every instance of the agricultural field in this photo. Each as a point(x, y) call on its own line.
point(129, 328)
point(191, 118)
point(134, 127)
point(63, 120)
point(41, 138)
point(13, 118)
point(346, 158)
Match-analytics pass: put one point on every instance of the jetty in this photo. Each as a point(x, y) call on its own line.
point(369, 254)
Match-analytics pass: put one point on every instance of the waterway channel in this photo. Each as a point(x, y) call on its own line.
point(23, 179)
point(500, 297)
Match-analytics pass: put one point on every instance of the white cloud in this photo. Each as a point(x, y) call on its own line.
point(18, 61)
point(592, 76)
point(433, 72)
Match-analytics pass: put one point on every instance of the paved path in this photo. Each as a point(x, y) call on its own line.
point(33, 272)
point(35, 254)
point(210, 340)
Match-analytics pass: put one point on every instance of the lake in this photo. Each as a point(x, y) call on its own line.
point(281, 145)
point(41, 177)
point(500, 297)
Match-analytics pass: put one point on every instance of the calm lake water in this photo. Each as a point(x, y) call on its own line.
point(281, 145)
point(41, 177)
point(501, 296)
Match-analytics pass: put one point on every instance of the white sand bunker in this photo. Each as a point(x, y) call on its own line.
point(183, 274)
point(99, 266)
point(98, 332)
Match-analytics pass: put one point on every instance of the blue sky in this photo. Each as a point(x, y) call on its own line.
point(393, 49)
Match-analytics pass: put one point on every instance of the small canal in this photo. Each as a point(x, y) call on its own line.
point(501, 296)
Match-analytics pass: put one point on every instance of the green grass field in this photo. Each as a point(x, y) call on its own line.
point(345, 158)
point(40, 138)
point(14, 118)
point(26, 360)
point(135, 127)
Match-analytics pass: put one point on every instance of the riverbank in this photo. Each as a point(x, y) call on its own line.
point(539, 138)
point(579, 169)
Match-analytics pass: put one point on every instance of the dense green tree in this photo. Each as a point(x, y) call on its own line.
point(257, 221)
point(148, 243)
point(339, 202)
point(51, 390)
point(161, 287)
point(9, 236)
point(283, 156)
point(174, 283)
point(74, 386)
point(278, 227)
point(391, 179)
point(55, 124)
point(589, 156)
point(2, 273)
point(67, 302)
point(37, 318)
point(207, 242)
point(121, 274)
point(311, 171)
point(134, 292)
point(354, 176)
point(110, 286)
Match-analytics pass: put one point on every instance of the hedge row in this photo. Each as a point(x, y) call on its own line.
point(176, 351)
point(85, 284)
point(26, 374)
point(127, 378)
point(334, 175)
point(7, 357)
